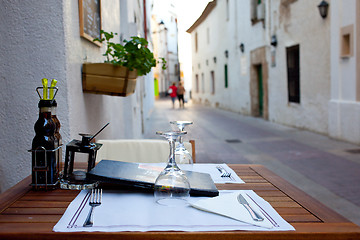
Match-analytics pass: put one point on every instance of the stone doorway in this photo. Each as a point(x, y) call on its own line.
point(259, 74)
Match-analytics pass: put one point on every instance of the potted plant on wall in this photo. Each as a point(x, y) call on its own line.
point(124, 63)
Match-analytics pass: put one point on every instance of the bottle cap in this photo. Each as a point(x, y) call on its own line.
point(45, 103)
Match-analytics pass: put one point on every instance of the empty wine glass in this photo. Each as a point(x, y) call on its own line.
point(181, 153)
point(172, 188)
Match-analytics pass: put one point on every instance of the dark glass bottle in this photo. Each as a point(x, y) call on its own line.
point(44, 162)
point(56, 121)
point(58, 138)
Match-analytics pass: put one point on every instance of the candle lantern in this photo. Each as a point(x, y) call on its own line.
point(77, 179)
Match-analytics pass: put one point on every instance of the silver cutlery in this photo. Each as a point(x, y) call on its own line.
point(94, 201)
point(256, 216)
point(223, 172)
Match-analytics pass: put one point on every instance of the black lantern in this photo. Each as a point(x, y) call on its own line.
point(82, 146)
point(226, 53)
point(273, 40)
point(214, 59)
point(242, 47)
point(323, 8)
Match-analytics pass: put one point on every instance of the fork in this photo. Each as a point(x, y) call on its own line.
point(94, 201)
point(223, 172)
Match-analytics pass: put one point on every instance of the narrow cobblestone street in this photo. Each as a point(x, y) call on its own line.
point(326, 169)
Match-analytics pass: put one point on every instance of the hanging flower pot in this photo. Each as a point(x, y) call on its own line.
point(117, 75)
point(108, 79)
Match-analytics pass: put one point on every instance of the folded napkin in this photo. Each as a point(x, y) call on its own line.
point(211, 168)
point(229, 206)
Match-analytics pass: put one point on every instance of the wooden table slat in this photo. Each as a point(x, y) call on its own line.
point(300, 218)
point(41, 211)
point(30, 218)
point(39, 204)
point(270, 193)
point(277, 199)
point(292, 211)
point(44, 197)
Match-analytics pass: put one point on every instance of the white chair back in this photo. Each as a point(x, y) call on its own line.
point(136, 150)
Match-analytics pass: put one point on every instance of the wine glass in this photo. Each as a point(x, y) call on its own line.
point(172, 188)
point(181, 153)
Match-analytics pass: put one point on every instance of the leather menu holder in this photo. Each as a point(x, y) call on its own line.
point(143, 176)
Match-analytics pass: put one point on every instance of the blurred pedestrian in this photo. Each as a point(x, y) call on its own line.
point(173, 93)
point(180, 95)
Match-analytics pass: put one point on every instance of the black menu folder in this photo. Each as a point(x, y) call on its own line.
point(144, 175)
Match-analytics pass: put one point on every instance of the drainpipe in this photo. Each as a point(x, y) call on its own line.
point(142, 91)
point(145, 20)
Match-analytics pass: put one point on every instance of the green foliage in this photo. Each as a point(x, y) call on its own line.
point(133, 54)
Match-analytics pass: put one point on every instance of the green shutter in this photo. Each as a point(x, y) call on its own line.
point(226, 76)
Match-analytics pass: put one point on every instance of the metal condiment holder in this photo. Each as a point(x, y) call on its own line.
point(49, 88)
point(36, 169)
point(45, 168)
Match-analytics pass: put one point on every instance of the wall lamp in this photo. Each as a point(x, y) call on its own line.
point(226, 53)
point(273, 40)
point(323, 8)
point(242, 47)
point(214, 59)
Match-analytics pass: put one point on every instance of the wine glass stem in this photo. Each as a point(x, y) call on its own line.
point(172, 153)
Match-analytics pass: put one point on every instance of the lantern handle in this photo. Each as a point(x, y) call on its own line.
point(99, 131)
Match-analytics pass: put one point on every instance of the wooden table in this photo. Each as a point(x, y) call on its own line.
point(28, 214)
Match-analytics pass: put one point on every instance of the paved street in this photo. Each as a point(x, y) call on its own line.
point(327, 169)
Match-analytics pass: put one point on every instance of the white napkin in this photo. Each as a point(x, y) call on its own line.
point(215, 174)
point(228, 205)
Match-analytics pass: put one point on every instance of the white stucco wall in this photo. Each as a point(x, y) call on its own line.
point(126, 115)
point(32, 48)
point(41, 39)
point(89, 112)
point(300, 24)
point(344, 109)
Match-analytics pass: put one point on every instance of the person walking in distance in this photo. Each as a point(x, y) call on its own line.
point(173, 93)
point(180, 94)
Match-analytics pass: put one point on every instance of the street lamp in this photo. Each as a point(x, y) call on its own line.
point(242, 47)
point(273, 40)
point(323, 8)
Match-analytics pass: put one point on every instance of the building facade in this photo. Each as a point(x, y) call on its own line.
point(280, 60)
point(42, 40)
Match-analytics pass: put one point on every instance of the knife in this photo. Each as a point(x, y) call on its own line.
point(256, 216)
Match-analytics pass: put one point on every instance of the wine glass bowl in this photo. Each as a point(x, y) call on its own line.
point(172, 188)
point(181, 153)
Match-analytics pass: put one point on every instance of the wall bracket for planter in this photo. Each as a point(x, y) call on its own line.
point(108, 79)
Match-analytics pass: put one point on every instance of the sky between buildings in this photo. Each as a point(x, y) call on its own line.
point(187, 11)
